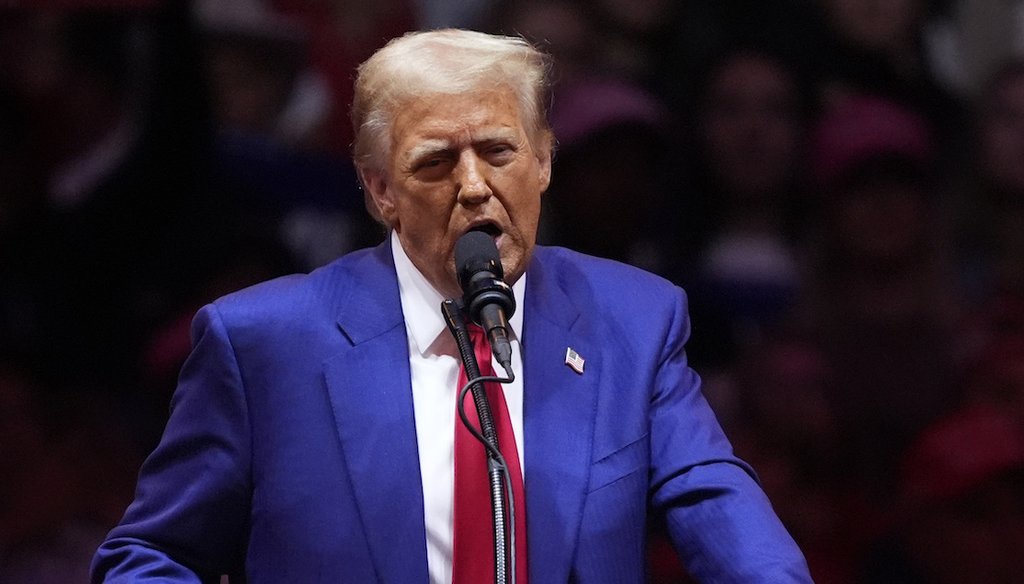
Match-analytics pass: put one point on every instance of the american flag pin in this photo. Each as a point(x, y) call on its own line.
point(574, 360)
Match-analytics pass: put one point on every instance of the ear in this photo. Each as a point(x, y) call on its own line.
point(379, 199)
point(544, 154)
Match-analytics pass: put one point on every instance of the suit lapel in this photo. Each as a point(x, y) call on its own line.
point(371, 394)
point(369, 386)
point(559, 411)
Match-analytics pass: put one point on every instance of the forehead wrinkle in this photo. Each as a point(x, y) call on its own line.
point(495, 134)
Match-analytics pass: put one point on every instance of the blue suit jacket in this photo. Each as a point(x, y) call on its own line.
point(290, 454)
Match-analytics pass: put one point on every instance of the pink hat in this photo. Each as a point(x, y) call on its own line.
point(862, 127)
point(585, 106)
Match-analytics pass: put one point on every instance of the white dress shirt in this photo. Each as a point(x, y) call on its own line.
point(434, 364)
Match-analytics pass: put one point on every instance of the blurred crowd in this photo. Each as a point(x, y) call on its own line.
point(837, 184)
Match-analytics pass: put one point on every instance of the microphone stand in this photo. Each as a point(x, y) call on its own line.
point(496, 471)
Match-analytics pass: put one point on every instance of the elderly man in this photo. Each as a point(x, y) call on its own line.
point(313, 433)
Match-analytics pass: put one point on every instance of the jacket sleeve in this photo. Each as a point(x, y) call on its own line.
point(188, 522)
point(720, 520)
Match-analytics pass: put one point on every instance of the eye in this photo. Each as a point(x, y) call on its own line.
point(432, 167)
point(499, 153)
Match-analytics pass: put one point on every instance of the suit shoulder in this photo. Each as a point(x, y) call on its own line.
point(295, 296)
point(604, 276)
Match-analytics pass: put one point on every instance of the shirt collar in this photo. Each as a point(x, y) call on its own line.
point(421, 304)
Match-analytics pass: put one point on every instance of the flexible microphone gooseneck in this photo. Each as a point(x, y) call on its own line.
point(487, 298)
point(499, 480)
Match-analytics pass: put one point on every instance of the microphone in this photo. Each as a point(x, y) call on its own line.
point(487, 298)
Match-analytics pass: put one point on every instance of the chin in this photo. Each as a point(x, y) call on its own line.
point(514, 265)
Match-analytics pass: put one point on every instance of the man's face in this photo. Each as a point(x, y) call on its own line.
point(751, 128)
point(459, 163)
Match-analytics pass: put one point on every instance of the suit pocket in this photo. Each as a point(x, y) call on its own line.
point(626, 460)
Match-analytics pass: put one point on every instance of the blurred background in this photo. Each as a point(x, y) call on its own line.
point(838, 185)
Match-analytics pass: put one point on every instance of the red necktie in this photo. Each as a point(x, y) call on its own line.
point(473, 538)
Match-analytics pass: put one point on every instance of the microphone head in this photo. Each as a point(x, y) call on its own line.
point(475, 251)
point(478, 266)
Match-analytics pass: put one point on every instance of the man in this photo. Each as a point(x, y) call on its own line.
point(312, 432)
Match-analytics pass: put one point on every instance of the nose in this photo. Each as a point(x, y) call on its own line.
point(471, 176)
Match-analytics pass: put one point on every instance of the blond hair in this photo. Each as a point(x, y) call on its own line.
point(439, 63)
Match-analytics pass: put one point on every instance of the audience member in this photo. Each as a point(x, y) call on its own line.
point(962, 498)
point(878, 48)
point(121, 226)
point(110, 196)
point(704, 29)
point(610, 192)
point(744, 199)
point(781, 412)
point(271, 112)
point(881, 301)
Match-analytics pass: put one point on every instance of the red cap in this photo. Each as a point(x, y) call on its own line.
point(959, 454)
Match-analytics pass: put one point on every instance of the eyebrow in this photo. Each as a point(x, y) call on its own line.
point(432, 146)
point(426, 148)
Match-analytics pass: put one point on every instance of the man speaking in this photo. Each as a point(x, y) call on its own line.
point(313, 436)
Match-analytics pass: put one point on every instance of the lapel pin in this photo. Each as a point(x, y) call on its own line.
point(574, 360)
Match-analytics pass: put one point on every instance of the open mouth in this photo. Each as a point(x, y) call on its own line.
point(488, 228)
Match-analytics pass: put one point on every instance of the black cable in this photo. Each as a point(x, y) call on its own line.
point(498, 460)
point(492, 449)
